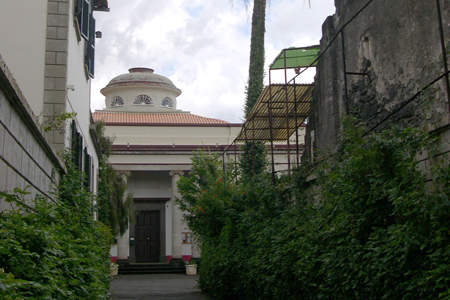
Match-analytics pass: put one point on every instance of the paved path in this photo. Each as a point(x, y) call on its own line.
point(156, 287)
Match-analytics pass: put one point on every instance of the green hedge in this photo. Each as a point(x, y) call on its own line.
point(375, 230)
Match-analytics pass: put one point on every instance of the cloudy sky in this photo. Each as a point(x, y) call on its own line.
point(203, 46)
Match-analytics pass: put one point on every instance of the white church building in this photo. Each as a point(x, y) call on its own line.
point(153, 145)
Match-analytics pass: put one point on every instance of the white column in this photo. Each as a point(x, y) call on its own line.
point(172, 219)
point(123, 244)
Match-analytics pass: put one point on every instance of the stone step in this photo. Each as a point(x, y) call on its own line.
point(151, 268)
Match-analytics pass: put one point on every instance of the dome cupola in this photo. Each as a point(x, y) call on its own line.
point(141, 90)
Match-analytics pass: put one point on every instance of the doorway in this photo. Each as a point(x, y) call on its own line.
point(147, 239)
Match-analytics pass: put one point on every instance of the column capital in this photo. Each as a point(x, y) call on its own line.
point(176, 172)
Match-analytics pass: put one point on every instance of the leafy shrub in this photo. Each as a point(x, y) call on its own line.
point(54, 250)
point(376, 229)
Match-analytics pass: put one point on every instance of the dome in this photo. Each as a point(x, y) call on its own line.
point(141, 77)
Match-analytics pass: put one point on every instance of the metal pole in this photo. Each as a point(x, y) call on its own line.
point(287, 116)
point(270, 126)
point(296, 124)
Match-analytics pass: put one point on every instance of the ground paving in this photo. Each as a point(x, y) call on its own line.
point(156, 287)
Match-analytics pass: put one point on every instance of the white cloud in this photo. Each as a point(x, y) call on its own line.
point(201, 45)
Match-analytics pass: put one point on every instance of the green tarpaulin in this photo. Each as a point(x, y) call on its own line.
point(295, 58)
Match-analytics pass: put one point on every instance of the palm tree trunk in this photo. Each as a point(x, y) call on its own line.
point(256, 69)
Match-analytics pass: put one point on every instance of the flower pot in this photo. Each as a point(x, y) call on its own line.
point(114, 269)
point(191, 269)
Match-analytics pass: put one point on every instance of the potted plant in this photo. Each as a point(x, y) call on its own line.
point(191, 268)
point(114, 269)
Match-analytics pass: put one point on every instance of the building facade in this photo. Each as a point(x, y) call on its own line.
point(47, 63)
point(154, 141)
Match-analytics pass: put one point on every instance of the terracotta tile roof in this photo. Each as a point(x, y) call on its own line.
point(153, 118)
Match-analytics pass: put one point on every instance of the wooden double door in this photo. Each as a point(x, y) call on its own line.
point(147, 236)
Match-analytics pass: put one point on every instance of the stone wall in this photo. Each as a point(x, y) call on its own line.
point(56, 55)
point(382, 54)
point(26, 159)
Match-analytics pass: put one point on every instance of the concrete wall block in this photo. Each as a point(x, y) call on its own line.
point(48, 166)
point(17, 160)
point(4, 171)
point(63, 8)
point(50, 82)
point(41, 182)
point(55, 71)
point(56, 45)
point(2, 136)
point(15, 122)
point(32, 144)
point(52, 8)
point(23, 133)
point(62, 33)
point(50, 58)
point(52, 32)
point(32, 172)
point(26, 165)
point(58, 20)
point(20, 182)
point(11, 179)
point(60, 84)
point(5, 110)
point(40, 158)
point(61, 58)
point(35, 151)
point(37, 175)
point(49, 111)
point(8, 151)
point(56, 97)
point(59, 137)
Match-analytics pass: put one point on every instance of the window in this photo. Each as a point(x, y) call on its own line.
point(117, 101)
point(87, 170)
point(143, 100)
point(187, 237)
point(167, 102)
point(90, 51)
point(76, 146)
point(86, 26)
point(83, 14)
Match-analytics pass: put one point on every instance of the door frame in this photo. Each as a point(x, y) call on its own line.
point(150, 204)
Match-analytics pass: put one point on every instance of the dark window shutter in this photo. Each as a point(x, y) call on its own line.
point(80, 152)
point(87, 169)
point(74, 141)
point(85, 16)
point(78, 11)
point(90, 51)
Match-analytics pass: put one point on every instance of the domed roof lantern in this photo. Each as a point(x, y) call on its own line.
point(140, 76)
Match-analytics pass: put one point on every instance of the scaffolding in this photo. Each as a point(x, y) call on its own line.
point(282, 108)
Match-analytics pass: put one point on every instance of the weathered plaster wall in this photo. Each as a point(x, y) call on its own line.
point(395, 45)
